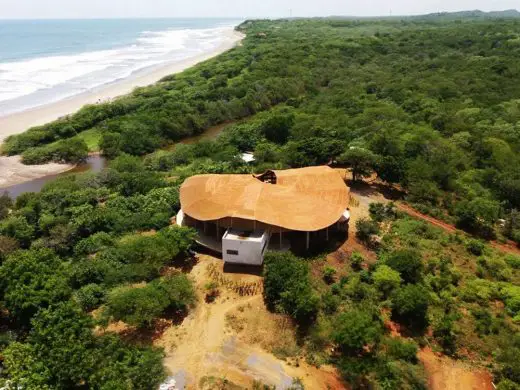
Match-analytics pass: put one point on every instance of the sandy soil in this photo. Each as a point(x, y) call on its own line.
point(208, 344)
point(12, 171)
point(448, 374)
point(19, 122)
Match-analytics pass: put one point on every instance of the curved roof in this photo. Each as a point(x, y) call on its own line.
point(306, 199)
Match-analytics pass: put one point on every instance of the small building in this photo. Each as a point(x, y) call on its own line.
point(244, 247)
point(249, 214)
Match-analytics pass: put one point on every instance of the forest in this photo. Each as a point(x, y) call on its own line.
point(431, 106)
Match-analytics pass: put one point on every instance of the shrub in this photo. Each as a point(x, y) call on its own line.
point(356, 260)
point(410, 305)
point(136, 306)
point(408, 263)
point(93, 244)
point(287, 286)
point(355, 329)
point(513, 261)
point(366, 229)
point(445, 334)
point(330, 302)
point(401, 349)
point(485, 324)
point(386, 279)
point(479, 290)
point(90, 296)
point(18, 228)
point(140, 306)
point(7, 246)
point(475, 247)
point(329, 274)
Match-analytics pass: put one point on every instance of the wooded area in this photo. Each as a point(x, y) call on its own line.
point(432, 105)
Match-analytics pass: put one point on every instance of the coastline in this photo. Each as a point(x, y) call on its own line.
point(19, 122)
point(13, 172)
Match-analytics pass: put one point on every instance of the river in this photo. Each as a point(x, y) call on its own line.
point(96, 163)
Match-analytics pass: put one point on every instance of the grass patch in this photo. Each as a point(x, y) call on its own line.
point(91, 138)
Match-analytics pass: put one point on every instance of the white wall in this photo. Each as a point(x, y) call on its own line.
point(249, 252)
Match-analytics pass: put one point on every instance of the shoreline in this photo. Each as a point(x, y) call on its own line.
point(13, 172)
point(19, 122)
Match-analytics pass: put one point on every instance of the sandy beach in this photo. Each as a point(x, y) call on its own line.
point(12, 171)
point(21, 121)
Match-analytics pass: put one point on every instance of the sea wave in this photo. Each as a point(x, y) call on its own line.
point(25, 84)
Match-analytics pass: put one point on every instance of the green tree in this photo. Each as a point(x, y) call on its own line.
point(410, 305)
point(386, 279)
point(355, 329)
point(110, 144)
point(287, 286)
point(408, 263)
point(32, 280)
point(362, 161)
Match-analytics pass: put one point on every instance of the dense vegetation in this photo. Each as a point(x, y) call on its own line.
point(430, 104)
point(75, 256)
point(429, 283)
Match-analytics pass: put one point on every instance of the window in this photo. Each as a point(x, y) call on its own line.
point(232, 252)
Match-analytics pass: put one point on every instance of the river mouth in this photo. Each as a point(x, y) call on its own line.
point(95, 163)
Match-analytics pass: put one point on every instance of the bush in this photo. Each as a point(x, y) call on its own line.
point(93, 244)
point(356, 260)
point(386, 279)
point(410, 306)
point(287, 286)
point(513, 261)
point(355, 329)
point(329, 274)
point(140, 306)
point(90, 297)
point(475, 247)
point(408, 263)
point(366, 229)
point(479, 290)
point(401, 349)
point(444, 332)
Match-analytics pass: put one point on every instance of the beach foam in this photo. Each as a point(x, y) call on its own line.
point(33, 82)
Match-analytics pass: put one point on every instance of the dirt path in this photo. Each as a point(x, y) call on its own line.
point(448, 374)
point(509, 247)
point(205, 346)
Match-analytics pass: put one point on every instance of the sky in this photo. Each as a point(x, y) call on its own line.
point(45, 9)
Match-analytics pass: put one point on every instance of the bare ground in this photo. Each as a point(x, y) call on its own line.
point(231, 337)
point(12, 171)
point(448, 374)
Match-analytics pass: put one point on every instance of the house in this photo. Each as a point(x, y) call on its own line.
point(246, 214)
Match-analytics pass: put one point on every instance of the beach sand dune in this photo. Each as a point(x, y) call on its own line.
point(12, 171)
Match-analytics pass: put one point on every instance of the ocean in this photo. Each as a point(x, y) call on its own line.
point(44, 61)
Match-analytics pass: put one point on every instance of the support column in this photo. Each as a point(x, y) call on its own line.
point(327, 234)
point(308, 240)
point(280, 237)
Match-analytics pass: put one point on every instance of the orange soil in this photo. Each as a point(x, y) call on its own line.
point(208, 343)
point(447, 374)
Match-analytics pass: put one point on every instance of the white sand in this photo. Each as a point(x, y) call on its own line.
point(19, 122)
point(12, 171)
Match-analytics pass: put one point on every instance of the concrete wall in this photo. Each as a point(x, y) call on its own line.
point(239, 251)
